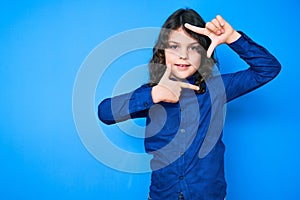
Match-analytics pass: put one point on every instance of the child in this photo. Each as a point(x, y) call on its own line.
point(183, 104)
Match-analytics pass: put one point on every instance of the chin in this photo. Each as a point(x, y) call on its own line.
point(182, 76)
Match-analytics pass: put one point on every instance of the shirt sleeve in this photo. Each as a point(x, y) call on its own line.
point(130, 105)
point(263, 68)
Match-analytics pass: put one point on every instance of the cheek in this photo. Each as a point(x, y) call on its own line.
point(170, 57)
point(196, 61)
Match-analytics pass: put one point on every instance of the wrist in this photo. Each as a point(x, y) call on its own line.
point(155, 94)
point(233, 37)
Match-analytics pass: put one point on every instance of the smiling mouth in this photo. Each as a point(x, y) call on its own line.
point(182, 66)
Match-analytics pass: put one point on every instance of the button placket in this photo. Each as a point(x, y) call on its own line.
point(182, 136)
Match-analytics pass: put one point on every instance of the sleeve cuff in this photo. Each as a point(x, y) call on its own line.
point(241, 44)
point(142, 99)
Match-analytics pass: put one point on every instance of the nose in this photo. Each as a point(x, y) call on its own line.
point(183, 54)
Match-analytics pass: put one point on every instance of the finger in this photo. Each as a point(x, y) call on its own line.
point(167, 73)
point(217, 24)
point(196, 29)
point(221, 20)
point(211, 49)
point(188, 86)
point(210, 26)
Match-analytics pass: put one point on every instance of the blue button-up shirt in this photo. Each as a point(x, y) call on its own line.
point(185, 138)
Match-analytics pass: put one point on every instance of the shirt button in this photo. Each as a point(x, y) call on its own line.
point(145, 104)
point(182, 130)
point(182, 153)
point(181, 109)
point(181, 177)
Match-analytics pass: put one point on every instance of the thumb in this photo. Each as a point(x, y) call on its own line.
point(167, 73)
point(211, 49)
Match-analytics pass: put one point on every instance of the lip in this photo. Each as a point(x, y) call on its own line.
point(182, 66)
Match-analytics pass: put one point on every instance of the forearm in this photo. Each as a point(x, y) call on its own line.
point(233, 37)
point(123, 107)
point(263, 67)
point(261, 61)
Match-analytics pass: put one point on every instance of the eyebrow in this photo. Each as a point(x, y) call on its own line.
point(171, 41)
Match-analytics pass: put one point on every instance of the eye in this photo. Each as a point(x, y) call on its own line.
point(195, 48)
point(173, 46)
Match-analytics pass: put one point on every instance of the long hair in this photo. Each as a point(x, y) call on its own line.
point(175, 21)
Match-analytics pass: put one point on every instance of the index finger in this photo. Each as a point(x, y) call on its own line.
point(188, 86)
point(196, 29)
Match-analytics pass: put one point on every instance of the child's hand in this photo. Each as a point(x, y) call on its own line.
point(218, 30)
point(168, 90)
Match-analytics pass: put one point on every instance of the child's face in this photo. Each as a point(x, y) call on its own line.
point(182, 54)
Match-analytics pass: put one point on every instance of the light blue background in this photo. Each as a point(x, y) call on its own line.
point(43, 45)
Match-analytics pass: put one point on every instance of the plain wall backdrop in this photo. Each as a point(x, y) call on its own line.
point(43, 44)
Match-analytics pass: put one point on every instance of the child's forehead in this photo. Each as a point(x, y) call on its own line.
point(181, 36)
